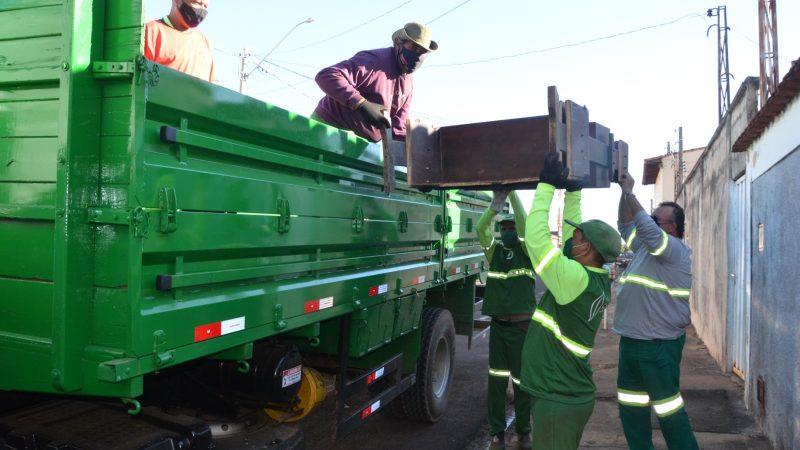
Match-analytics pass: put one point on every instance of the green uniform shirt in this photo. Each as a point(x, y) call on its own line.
point(510, 281)
point(555, 358)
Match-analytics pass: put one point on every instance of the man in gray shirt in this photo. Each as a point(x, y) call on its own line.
point(651, 316)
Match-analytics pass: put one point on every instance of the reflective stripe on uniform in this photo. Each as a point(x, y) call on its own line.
point(515, 380)
point(499, 373)
point(669, 405)
point(511, 274)
point(650, 283)
point(633, 398)
point(629, 242)
point(548, 322)
point(663, 247)
point(546, 260)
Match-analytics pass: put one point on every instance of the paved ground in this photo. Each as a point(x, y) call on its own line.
point(713, 401)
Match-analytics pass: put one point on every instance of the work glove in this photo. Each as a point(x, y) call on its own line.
point(554, 172)
point(373, 114)
point(573, 185)
point(499, 201)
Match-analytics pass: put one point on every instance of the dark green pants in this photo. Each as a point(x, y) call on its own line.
point(649, 376)
point(505, 358)
point(559, 426)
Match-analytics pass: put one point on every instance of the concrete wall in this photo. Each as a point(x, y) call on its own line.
point(775, 286)
point(705, 198)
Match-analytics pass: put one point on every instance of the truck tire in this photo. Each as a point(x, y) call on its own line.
point(426, 400)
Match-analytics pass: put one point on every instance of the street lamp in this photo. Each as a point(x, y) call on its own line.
point(309, 20)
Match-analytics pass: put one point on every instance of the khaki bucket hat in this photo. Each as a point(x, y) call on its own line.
point(418, 34)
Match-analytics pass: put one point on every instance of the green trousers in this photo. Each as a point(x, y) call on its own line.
point(649, 376)
point(559, 426)
point(505, 358)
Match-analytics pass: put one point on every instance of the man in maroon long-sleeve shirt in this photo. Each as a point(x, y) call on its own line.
point(361, 90)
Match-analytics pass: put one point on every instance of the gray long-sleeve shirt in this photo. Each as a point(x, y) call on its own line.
point(653, 292)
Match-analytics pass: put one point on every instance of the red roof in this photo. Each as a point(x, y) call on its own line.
point(651, 168)
point(786, 91)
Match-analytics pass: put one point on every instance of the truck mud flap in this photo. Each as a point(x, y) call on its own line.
point(389, 374)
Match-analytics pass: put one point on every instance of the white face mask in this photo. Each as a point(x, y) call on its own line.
point(582, 254)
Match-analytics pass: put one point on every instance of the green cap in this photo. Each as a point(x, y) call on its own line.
point(508, 217)
point(603, 237)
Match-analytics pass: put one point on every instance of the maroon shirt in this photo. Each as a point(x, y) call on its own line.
point(371, 74)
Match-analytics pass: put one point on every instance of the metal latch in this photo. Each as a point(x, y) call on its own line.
point(284, 215)
point(113, 69)
point(402, 222)
point(168, 203)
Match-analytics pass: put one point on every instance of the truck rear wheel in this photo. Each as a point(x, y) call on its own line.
point(426, 400)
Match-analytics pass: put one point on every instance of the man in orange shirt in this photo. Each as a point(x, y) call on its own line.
point(174, 42)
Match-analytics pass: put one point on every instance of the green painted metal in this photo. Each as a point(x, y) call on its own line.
point(161, 206)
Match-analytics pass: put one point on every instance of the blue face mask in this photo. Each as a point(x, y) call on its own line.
point(409, 59)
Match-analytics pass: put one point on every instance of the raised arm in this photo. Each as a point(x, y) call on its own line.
point(572, 212)
point(484, 229)
point(564, 278)
point(629, 206)
point(519, 213)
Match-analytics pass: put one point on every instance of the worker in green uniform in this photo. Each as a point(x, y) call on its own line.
point(509, 301)
point(555, 358)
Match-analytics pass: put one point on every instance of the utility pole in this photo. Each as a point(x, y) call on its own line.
point(723, 72)
point(243, 70)
point(679, 169)
point(768, 48)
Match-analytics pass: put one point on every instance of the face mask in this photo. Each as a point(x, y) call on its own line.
point(510, 238)
point(409, 60)
point(579, 246)
point(193, 15)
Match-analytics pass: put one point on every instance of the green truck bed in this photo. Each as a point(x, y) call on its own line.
point(148, 218)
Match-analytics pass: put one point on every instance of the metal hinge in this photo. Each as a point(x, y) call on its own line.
point(138, 219)
point(358, 219)
point(113, 69)
point(402, 222)
point(108, 216)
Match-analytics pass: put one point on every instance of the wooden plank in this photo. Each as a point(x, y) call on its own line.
point(28, 159)
point(31, 60)
point(26, 308)
point(29, 247)
point(29, 119)
point(28, 23)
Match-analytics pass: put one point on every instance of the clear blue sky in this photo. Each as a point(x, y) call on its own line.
point(642, 85)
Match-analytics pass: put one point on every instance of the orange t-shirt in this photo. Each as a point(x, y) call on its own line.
point(187, 51)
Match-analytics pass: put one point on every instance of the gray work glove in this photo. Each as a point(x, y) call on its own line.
point(373, 114)
point(499, 201)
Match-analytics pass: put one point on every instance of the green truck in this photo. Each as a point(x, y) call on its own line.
point(156, 227)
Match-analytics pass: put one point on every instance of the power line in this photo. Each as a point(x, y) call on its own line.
point(573, 44)
point(266, 72)
point(448, 12)
point(348, 30)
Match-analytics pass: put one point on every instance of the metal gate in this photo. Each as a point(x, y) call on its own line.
point(739, 278)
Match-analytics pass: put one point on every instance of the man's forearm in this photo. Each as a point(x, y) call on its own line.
point(628, 207)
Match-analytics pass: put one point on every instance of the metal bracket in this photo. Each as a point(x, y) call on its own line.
point(108, 216)
point(285, 213)
point(168, 202)
point(402, 222)
point(438, 224)
point(279, 322)
point(104, 70)
point(448, 224)
point(468, 224)
point(159, 342)
point(358, 219)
